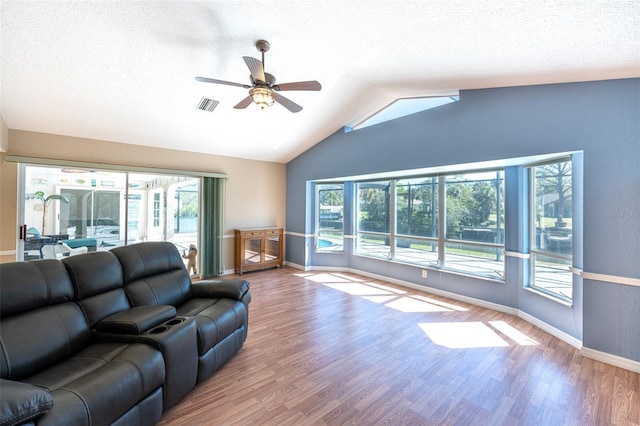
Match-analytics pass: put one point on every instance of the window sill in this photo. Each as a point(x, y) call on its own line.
point(430, 266)
point(549, 297)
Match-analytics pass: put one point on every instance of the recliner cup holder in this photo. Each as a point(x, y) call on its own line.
point(167, 325)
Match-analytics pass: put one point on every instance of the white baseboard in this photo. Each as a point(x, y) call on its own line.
point(567, 338)
point(617, 361)
point(296, 266)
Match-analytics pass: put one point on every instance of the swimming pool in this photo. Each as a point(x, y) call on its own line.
point(324, 243)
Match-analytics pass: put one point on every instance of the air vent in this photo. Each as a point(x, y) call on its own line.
point(207, 104)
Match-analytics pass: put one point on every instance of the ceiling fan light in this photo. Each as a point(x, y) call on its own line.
point(261, 96)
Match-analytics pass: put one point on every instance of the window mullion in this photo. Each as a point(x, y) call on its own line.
point(442, 217)
point(392, 219)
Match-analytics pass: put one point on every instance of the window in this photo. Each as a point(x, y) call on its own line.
point(551, 229)
point(453, 222)
point(373, 237)
point(417, 220)
point(403, 107)
point(329, 217)
point(474, 223)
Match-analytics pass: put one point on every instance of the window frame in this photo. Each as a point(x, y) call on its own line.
point(334, 248)
point(387, 236)
point(534, 251)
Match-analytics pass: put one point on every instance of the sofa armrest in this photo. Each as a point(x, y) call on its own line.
point(177, 340)
point(22, 402)
point(136, 320)
point(230, 289)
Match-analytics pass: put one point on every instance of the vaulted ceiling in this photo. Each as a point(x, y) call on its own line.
point(125, 71)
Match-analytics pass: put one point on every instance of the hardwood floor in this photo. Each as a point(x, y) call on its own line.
point(341, 349)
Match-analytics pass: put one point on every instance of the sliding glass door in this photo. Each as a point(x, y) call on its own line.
point(99, 210)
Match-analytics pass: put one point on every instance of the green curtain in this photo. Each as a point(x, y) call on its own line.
point(211, 227)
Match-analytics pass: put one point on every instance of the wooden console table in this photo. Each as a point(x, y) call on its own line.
point(258, 248)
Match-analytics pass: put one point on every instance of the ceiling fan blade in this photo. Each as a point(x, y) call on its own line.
point(256, 68)
point(244, 103)
point(228, 83)
point(299, 85)
point(287, 103)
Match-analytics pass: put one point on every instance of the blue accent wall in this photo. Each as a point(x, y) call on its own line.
point(599, 120)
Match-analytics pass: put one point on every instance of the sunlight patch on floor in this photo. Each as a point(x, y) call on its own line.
point(323, 278)
point(357, 289)
point(513, 334)
point(379, 299)
point(379, 293)
point(449, 306)
point(347, 278)
point(409, 304)
point(387, 288)
point(459, 335)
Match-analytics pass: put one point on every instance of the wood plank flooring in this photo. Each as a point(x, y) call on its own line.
point(341, 349)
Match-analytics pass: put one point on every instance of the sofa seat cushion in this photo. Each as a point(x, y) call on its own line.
point(216, 319)
point(101, 383)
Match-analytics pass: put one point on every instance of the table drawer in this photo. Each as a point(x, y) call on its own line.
point(251, 234)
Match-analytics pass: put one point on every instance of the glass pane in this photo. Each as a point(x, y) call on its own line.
point(93, 214)
point(272, 249)
point(417, 207)
point(252, 250)
point(373, 216)
point(373, 245)
point(553, 208)
point(330, 218)
point(330, 241)
point(553, 275)
point(183, 206)
point(135, 216)
point(185, 219)
point(373, 206)
point(475, 207)
point(467, 258)
point(105, 225)
point(418, 251)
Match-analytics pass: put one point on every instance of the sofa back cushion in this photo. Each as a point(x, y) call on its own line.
point(39, 324)
point(154, 274)
point(98, 285)
point(29, 285)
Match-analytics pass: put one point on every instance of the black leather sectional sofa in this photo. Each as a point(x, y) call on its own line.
point(114, 337)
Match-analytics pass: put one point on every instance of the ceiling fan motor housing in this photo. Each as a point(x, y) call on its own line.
point(271, 80)
point(263, 46)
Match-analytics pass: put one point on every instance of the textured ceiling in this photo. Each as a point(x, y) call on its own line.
point(124, 70)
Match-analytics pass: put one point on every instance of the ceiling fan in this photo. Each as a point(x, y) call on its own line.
point(263, 89)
